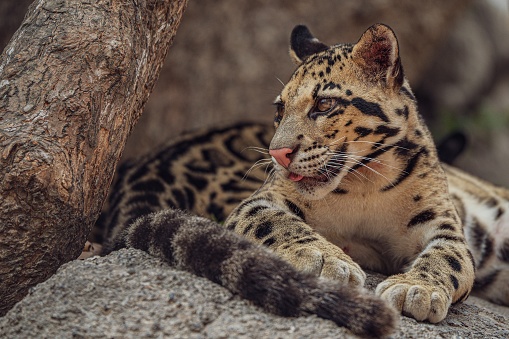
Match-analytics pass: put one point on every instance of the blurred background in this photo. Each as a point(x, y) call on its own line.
point(228, 55)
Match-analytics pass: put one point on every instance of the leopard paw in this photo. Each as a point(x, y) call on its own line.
point(415, 297)
point(329, 262)
point(90, 250)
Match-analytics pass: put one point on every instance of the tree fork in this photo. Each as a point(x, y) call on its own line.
point(73, 82)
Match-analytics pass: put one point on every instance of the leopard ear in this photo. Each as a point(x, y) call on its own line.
point(377, 52)
point(304, 44)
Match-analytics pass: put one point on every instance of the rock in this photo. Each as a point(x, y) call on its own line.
point(129, 294)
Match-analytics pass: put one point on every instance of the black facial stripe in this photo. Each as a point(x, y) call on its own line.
point(362, 131)
point(340, 191)
point(369, 108)
point(331, 85)
point(336, 112)
point(404, 147)
point(387, 131)
point(315, 91)
point(407, 171)
point(372, 155)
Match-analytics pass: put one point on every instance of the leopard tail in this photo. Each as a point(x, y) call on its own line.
point(207, 249)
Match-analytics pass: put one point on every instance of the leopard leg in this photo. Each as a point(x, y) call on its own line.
point(443, 273)
point(276, 222)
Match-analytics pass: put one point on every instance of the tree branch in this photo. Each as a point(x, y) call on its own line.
point(73, 82)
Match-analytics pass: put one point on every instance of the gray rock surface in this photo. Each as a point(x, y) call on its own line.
point(129, 294)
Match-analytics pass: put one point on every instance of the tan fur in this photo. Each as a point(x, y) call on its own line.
point(361, 187)
point(366, 213)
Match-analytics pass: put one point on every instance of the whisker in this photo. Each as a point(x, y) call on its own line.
point(256, 149)
point(350, 170)
point(357, 157)
point(258, 163)
point(336, 141)
point(282, 83)
point(376, 144)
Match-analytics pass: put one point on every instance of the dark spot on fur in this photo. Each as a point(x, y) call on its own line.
point(407, 92)
point(405, 147)
point(482, 241)
point(448, 227)
point(295, 209)
point(141, 236)
point(481, 283)
point(447, 238)
point(253, 211)
point(422, 218)
point(231, 225)
point(500, 211)
point(198, 182)
point(388, 131)
point(363, 131)
point(503, 254)
point(269, 242)
point(306, 240)
point(454, 281)
point(263, 230)
point(403, 112)
point(331, 85)
point(453, 262)
point(151, 185)
point(144, 199)
point(491, 202)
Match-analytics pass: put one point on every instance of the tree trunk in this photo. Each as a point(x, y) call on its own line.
point(73, 82)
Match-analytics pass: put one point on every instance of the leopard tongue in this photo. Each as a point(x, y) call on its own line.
point(295, 177)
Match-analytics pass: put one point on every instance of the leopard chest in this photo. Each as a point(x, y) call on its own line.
point(371, 228)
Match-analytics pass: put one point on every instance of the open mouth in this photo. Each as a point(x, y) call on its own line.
point(328, 172)
point(297, 177)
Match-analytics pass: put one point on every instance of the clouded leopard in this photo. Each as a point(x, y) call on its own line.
point(356, 182)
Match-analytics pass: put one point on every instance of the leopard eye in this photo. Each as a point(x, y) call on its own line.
point(325, 104)
point(280, 110)
point(322, 106)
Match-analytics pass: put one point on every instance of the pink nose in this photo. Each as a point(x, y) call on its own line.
point(282, 156)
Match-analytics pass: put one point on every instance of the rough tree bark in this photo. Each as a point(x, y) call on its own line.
point(73, 82)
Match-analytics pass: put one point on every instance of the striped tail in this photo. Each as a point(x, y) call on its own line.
point(207, 249)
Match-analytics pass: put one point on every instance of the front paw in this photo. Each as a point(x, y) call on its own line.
point(327, 261)
point(415, 297)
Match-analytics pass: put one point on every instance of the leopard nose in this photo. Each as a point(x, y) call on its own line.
point(282, 156)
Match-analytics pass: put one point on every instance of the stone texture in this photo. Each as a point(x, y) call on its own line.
point(129, 294)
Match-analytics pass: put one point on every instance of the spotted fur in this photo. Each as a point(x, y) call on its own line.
point(209, 173)
point(356, 183)
point(357, 161)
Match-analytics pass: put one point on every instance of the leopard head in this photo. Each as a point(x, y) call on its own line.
point(341, 107)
